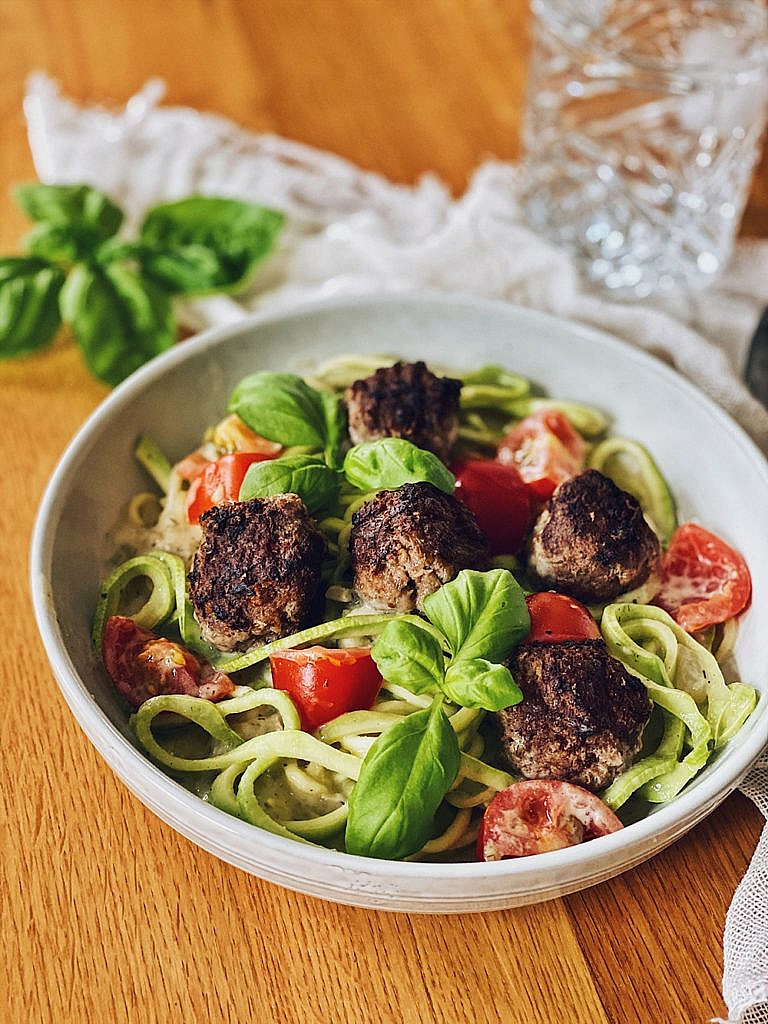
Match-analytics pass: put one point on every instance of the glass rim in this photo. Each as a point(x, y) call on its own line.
point(665, 67)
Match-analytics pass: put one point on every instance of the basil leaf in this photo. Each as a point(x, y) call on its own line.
point(29, 305)
point(482, 614)
point(185, 270)
point(404, 777)
point(477, 683)
point(70, 206)
point(238, 235)
point(335, 418)
point(62, 243)
point(280, 407)
point(390, 462)
point(118, 319)
point(180, 270)
point(409, 656)
point(315, 483)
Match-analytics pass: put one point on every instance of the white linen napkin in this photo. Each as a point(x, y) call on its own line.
point(350, 232)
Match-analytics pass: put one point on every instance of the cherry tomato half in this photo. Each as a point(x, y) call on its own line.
point(142, 664)
point(324, 683)
point(539, 815)
point(545, 450)
point(555, 618)
point(219, 482)
point(499, 500)
point(703, 580)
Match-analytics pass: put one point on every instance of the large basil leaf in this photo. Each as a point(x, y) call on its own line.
point(390, 462)
point(404, 777)
point(477, 683)
point(181, 270)
point(29, 305)
point(409, 656)
point(315, 483)
point(237, 234)
point(335, 417)
point(483, 615)
point(118, 319)
point(280, 407)
point(73, 206)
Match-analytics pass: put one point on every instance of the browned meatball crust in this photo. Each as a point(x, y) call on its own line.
point(581, 718)
point(406, 543)
point(256, 573)
point(592, 540)
point(405, 400)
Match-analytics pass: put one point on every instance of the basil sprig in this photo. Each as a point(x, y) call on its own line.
point(285, 409)
point(404, 777)
point(480, 617)
point(114, 293)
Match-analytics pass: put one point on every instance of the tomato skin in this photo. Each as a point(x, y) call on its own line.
point(499, 500)
point(324, 683)
point(539, 815)
point(191, 466)
point(142, 664)
point(703, 580)
point(219, 482)
point(556, 618)
point(545, 450)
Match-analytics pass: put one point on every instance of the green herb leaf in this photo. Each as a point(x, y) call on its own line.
point(335, 417)
point(407, 655)
point(71, 206)
point(404, 777)
point(282, 408)
point(29, 305)
point(238, 235)
point(477, 683)
point(62, 243)
point(118, 319)
point(390, 462)
point(180, 270)
point(483, 615)
point(315, 483)
point(185, 270)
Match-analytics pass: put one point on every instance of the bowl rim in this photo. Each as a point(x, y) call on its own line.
point(203, 823)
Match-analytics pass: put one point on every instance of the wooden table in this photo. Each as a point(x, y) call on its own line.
point(108, 915)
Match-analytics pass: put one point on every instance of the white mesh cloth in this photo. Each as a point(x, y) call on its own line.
point(351, 232)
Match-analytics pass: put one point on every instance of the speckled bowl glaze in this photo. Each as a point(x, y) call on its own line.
point(716, 473)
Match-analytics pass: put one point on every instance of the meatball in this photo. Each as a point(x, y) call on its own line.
point(405, 400)
point(256, 574)
point(406, 543)
point(592, 540)
point(581, 718)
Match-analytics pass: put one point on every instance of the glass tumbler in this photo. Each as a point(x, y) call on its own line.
point(643, 126)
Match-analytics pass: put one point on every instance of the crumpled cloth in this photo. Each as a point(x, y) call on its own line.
point(351, 232)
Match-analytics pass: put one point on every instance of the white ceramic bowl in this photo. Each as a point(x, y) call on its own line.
point(715, 471)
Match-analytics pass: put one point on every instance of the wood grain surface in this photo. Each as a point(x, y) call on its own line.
point(107, 914)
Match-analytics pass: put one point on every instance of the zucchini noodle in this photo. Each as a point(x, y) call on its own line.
point(631, 466)
point(675, 669)
point(144, 509)
point(155, 609)
point(324, 766)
